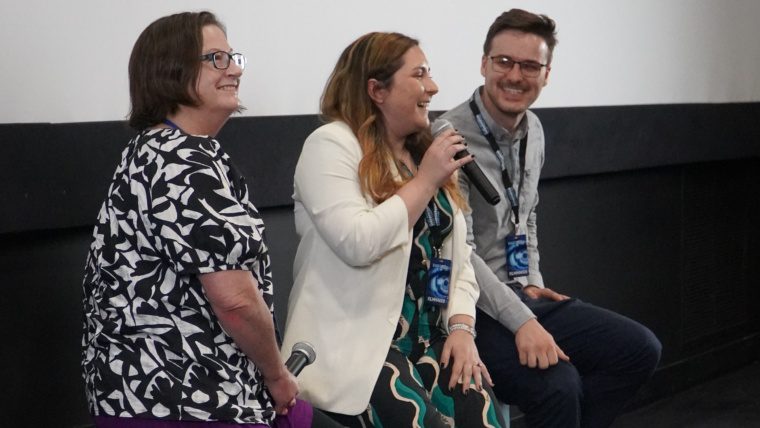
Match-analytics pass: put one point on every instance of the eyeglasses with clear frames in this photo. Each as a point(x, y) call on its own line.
point(503, 64)
point(221, 59)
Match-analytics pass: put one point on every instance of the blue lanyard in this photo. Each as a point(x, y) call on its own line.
point(432, 216)
point(432, 219)
point(172, 124)
point(512, 194)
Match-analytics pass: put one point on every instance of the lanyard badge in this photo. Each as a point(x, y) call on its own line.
point(439, 271)
point(439, 275)
point(517, 256)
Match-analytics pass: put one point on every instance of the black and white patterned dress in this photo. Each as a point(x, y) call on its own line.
point(152, 346)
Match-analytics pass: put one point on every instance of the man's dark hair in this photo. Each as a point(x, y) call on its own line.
point(527, 22)
point(164, 67)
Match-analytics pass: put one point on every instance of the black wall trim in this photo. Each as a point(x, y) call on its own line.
point(589, 140)
point(55, 175)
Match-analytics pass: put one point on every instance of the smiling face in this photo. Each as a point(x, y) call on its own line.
point(217, 90)
point(404, 101)
point(507, 95)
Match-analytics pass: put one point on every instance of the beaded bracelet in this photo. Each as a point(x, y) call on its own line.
point(462, 326)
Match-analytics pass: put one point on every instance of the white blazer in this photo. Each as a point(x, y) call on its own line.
point(350, 273)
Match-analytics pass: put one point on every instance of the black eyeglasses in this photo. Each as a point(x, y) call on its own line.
point(503, 64)
point(221, 59)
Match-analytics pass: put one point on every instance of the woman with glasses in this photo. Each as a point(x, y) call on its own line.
point(383, 283)
point(177, 292)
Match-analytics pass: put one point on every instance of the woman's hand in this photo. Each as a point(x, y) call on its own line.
point(438, 163)
point(436, 167)
point(466, 364)
point(283, 388)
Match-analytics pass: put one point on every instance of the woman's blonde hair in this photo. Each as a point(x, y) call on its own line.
point(373, 56)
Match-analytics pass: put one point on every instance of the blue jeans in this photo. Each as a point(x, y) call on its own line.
point(611, 356)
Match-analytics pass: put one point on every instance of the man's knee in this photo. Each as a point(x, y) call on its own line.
point(557, 402)
point(651, 349)
point(566, 384)
point(559, 386)
point(642, 348)
point(631, 348)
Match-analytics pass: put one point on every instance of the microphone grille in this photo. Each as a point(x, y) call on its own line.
point(439, 126)
point(307, 349)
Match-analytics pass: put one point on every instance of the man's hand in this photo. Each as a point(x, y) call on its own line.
point(535, 292)
point(536, 346)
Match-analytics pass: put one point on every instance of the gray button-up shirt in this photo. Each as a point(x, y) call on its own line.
point(488, 225)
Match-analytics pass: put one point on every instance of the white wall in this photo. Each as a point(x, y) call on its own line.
point(67, 61)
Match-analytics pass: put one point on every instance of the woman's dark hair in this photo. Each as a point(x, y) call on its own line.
point(527, 22)
point(164, 66)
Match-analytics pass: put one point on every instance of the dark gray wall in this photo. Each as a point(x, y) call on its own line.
point(652, 211)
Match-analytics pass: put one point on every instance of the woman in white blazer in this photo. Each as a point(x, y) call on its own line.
point(384, 289)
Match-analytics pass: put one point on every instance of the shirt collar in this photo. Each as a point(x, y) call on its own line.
point(499, 132)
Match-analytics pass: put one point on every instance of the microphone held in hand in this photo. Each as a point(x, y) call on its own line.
point(472, 170)
point(301, 356)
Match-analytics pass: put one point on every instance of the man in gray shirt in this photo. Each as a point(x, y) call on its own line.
point(564, 362)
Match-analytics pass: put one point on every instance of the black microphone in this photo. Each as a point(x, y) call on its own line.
point(301, 356)
point(473, 171)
